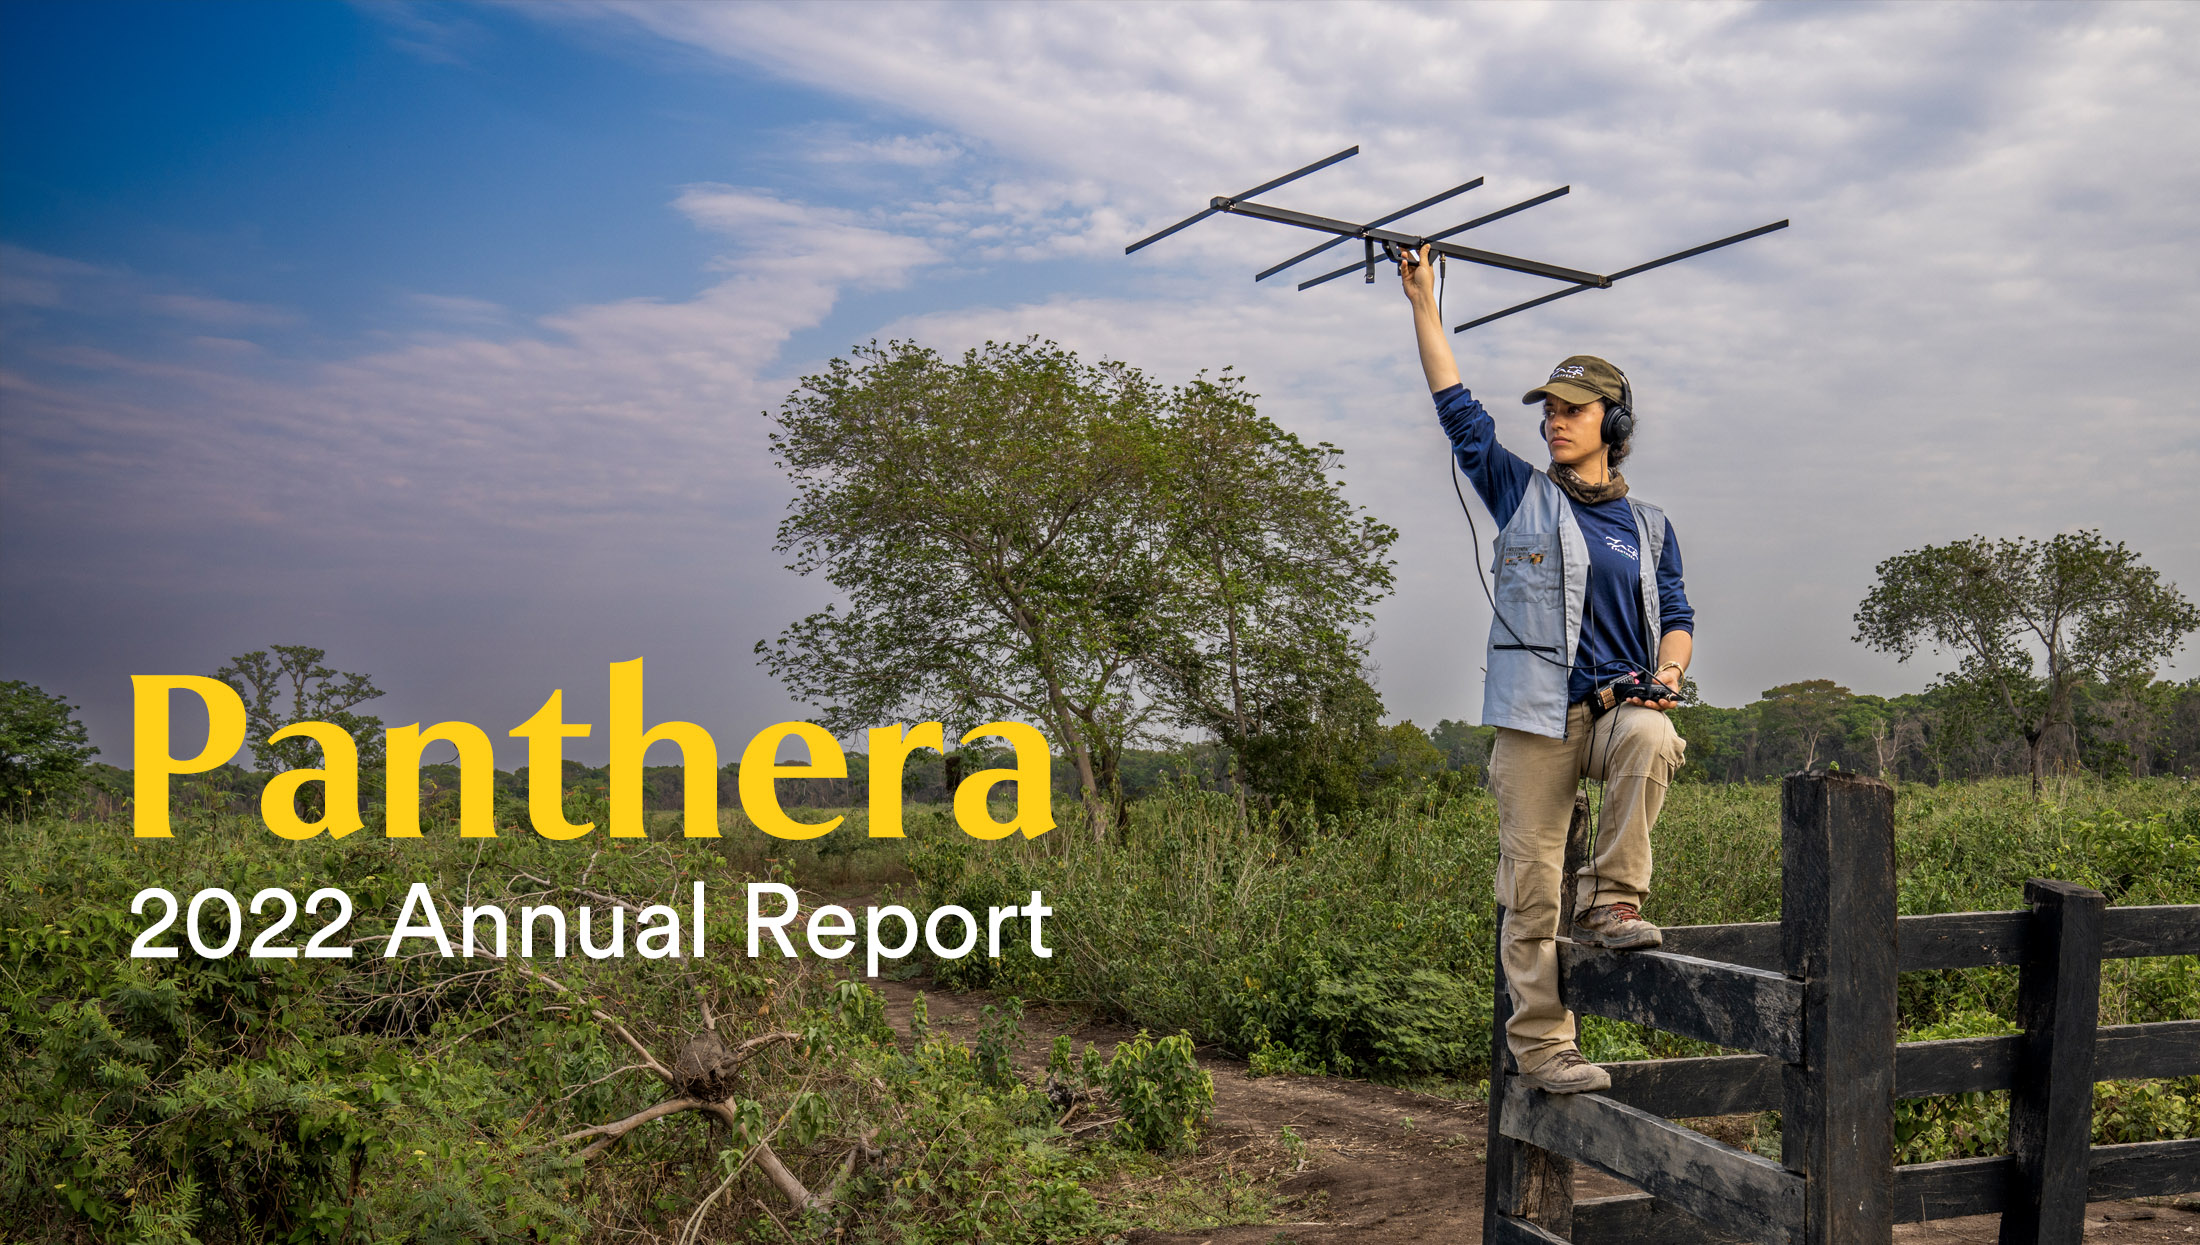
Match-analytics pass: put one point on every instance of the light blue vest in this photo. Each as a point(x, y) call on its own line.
point(1542, 570)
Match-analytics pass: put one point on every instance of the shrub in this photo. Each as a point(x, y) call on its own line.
point(234, 1100)
point(1000, 1034)
point(43, 749)
point(1163, 1093)
point(1364, 1019)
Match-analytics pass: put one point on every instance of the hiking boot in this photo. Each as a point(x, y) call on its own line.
point(1568, 1073)
point(1618, 926)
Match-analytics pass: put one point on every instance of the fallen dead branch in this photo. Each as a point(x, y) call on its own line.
point(702, 1078)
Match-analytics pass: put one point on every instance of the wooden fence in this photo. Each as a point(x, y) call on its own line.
point(1813, 997)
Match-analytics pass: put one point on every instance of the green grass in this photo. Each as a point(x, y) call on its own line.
point(421, 1099)
point(1366, 949)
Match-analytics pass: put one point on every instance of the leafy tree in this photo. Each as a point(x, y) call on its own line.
point(43, 749)
point(291, 686)
point(994, 528)
point(1270, 570)
point(1023, 533)
point(1808, 712)
point(1463, 743)
point(1867, 724)
point(1408, 756)
point(2029, 620)
point(2118, 723)
point(1321, 741)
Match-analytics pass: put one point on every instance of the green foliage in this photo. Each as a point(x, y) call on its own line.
point(1953, 1125)
point(2128, 1111)
point(1361, 943)
point(294, 686)
point(1806, 712)
point(920, 1020)
point(1364, 1016)
point(992, 525)
point(1000, 1035)
point(217, 1097)
point(1020, 532)
point(43, 750)
point(1270, 573)
point(2119, 729)
point(976, 1164)
point(862, 1012)
point(1611, 1041)
point(418, 1099)
point(1271, 1058)
point(384, 1100)
point(2027, 620)
point(1163, 1093)
point(1062, 1060)
point(1316, 751)
point(1365, 948)
point(1463, 743)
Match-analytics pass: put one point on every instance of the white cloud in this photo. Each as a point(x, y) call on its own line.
point(597, 477)
point(922, 151)
point(430, 33)
point(1980, 321)
point(459, 309)
point(1990, 262)
point(218, 312)
point(633, 407)
point(35, 280)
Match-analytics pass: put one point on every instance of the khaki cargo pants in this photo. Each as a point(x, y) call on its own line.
point(1634, 751)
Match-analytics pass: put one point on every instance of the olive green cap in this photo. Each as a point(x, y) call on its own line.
point(1580, 380)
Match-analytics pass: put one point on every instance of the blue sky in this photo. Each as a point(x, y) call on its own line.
point(335, 160)
point(436, 335)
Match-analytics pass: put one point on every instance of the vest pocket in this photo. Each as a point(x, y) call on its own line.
point(1531, 593)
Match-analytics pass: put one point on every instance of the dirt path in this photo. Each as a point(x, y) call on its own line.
point(1384, 1166)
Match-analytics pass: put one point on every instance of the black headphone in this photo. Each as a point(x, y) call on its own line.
point(1619, 417)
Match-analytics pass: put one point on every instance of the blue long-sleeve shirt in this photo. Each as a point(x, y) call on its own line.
point(1612, 632)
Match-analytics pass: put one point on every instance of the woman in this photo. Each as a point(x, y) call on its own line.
point(1589, 591)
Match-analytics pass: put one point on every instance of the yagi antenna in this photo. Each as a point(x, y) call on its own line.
point(1399, 248)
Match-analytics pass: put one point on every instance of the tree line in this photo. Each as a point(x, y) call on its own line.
point(1939, 735)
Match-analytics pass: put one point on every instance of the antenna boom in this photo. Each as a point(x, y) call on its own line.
point(1400, 214)
point(1346, 229)
point(1675, 257)
point(1476, 223)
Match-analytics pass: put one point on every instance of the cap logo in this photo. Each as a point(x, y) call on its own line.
point(1574, 370)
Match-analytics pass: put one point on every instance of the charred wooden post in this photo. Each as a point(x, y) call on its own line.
point(2051, 1102)
point(1580, 836)
point(1838, 939)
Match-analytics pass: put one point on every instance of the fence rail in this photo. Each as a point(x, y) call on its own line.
point(1813, 996)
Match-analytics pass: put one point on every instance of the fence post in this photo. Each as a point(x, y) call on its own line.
point(1837, 934)
point(2051, 1106)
